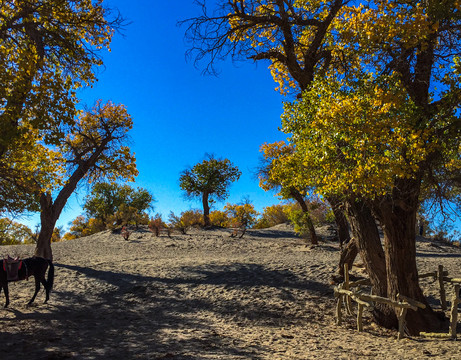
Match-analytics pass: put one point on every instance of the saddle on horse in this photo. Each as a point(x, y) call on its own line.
point(12, 266)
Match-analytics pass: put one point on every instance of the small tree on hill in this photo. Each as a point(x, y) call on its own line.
point(209, 180)
point(114, 204)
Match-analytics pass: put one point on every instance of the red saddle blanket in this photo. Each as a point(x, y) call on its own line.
point(12, 266)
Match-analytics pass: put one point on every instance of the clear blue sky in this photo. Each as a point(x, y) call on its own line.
point(178, 113)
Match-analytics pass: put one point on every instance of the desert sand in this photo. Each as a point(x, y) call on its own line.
point(203, 295)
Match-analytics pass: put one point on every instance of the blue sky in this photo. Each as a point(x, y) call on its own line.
point(178, 113)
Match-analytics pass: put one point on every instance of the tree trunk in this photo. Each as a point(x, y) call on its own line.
point(300, 199)
point(206, 209)
point(50, 211)
point(341, 221)
point(348, 255)
point(47, 224)
point(369, 245)
point(397, 214)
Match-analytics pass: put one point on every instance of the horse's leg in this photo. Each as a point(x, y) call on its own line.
point(47, 289)
point(37, 288)
point(7, 295)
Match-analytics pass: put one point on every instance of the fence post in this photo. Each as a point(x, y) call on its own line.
point(454, 312)
point(443, 298)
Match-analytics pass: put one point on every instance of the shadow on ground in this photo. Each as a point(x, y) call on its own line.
point(152, 317)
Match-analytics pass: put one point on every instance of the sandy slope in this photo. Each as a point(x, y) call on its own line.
point(201, 296)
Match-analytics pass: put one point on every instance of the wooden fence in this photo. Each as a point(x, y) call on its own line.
point(348, 291)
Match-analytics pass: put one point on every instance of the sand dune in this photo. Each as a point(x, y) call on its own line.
point(201, 296)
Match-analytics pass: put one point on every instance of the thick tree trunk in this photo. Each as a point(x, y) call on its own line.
point(398, 217)
point(206, 209)
point(310, 225)
point(47, 224)
point(366, 236)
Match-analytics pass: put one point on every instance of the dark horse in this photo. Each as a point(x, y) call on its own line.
point(34, 266)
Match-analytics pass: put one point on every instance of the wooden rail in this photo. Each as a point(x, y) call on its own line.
point(348, 291)
point(367, 300)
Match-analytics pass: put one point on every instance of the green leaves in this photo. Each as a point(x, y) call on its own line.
point(106, 199)
point(212, 176)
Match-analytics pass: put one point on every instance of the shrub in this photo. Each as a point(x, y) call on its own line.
point(186, 220)
point(273, 215)
point(300, 221)
point(219, 218)
point(156, 223)
point(81, 226)
point(125, 233)
point(243, 215)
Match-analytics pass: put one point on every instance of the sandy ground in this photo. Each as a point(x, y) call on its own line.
point(202, 296)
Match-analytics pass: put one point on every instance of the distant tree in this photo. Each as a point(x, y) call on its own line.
point(127, 215)
point(209, 180)
point(57, 234)
point(14, 233)
point(115, 204)
point(93, 150)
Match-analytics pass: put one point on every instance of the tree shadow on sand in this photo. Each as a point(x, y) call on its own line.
point(152, 317)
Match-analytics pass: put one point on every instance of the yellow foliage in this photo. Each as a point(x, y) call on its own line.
point(241, 215)
point(219, 218)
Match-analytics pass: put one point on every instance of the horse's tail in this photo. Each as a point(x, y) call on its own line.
point(50, 275)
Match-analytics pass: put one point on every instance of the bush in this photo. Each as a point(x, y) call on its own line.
point(241, 215)
point(300, 221)
point(219, 218)
point(156, 223)
point(186, 220)
point(81, 226)
point(273, 215)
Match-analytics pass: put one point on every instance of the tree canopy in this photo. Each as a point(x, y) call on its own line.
point(48, 50)
point(292, 35)
point(106, 199)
